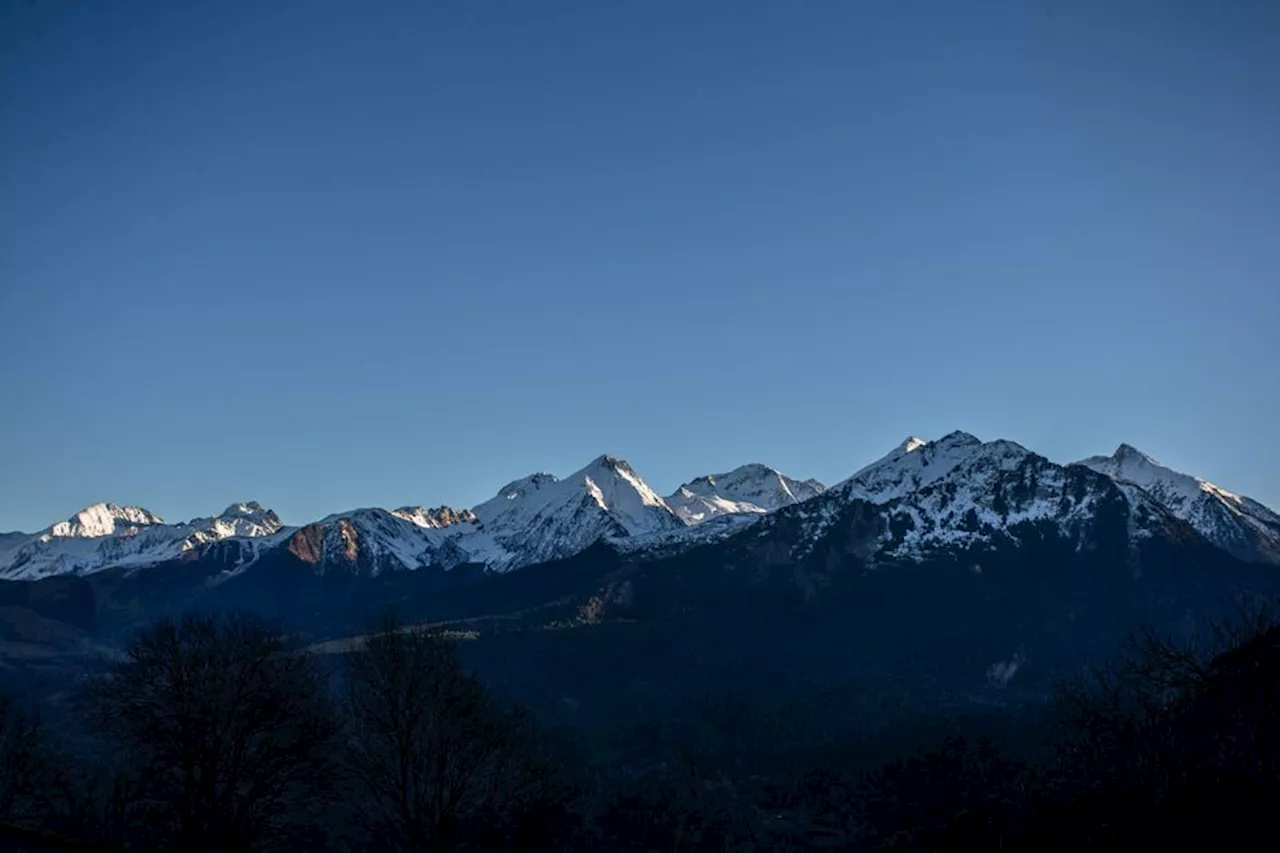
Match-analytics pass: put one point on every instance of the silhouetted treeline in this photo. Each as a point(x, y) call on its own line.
point(215, 733)
point(1176, 746)
point(220, 734)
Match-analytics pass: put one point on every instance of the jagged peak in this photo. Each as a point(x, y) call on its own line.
point(607, 468)
point(434, 517)
point(244, 509)
point(118, 511)
point(753, 488)
point(100, 519)
point(525, 485)
point(244, 518)
point(757, 470)
point(1197, 501)
point(1127, 452)
point(1130, 463)
point(611, 463)
point(916, 462)
point(911, 444)
point(1004, 445)
point(754, 468)
point(957, 438)
point(362, 513)
point(607, 477)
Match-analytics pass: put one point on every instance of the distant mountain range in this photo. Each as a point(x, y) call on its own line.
point(952, 573)
point(936, 497)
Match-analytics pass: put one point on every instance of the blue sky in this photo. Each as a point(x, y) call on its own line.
point(332, 254)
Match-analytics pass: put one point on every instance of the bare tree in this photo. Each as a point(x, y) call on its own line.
point(1163, 669)
point(231, 731)
point(428, 747)
point(1134, 726)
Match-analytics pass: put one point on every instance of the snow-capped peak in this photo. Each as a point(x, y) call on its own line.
point(617, 489)
point(434, 518)
point(102, 519)
point(525, 485)
point(372, 540)
point(248, 518)
point(1171, 487)
point(1234, 522)
point(912, 464)
point(619, 485)
point(911, 443)
point(952, 493)
point(543, 518)
point(106, 535)
point(247, 509)
point(751, 488)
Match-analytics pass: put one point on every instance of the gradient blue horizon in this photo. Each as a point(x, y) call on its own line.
point(329, 254)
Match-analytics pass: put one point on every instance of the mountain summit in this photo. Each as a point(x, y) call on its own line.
point(1237, 524)
point(540, 518)
point(912, 464)
point(103, 519)
point(752, 488)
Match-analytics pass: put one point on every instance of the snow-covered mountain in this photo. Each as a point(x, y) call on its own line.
point(929, 497)
point(749, 489)
point(959, 493)
point(105, 535)
point(911, 465)
point(372, 540)
point(435, 517)
point(534, 519)
point(991, 493)
point(540, 517)
point(531, 520)
point(103, 519)
point(1237, 524)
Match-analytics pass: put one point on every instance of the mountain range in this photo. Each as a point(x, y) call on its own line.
point(934, 497)
point(534, 519)
point(952, 573)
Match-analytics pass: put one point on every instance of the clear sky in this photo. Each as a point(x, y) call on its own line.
point(334, 254)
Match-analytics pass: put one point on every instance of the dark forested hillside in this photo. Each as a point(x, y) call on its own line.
point(221, 734)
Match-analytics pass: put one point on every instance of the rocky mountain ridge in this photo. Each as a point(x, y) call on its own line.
point(940, 496)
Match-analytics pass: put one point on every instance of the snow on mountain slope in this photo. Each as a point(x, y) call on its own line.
point(677, 540)
point(435, 517)
point(953, 494)
point(105, 536)
point(750, 488)
point(102, 519)
point(240, 519)
point(542, 518)
point(531, 520)
point(1235, 523)
point(527, 485)
point(950, 493)
point(369, 540)
point(985, 496)
point(912, 464)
